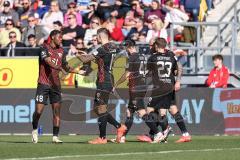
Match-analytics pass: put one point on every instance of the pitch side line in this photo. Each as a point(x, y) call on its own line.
point(124, 154)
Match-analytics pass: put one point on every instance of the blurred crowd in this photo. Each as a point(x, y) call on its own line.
point(27, 23)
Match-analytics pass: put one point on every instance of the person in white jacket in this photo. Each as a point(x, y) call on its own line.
point(175, 15)
point(94, 26)
point(54, 14)
point(157, 31)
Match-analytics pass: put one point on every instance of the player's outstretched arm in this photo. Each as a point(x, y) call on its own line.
point(179, 71)
point(122, 79)
point(69, 69)
point(85, 57)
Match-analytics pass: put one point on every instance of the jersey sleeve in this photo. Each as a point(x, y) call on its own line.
point(44, 53)
point(98, 53)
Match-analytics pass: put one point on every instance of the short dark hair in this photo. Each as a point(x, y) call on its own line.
point(9, 20)
point(31, 36)
point(12, 32)
point(54, 33)
point(160, 43)
point(217, 56)
point(58, 23)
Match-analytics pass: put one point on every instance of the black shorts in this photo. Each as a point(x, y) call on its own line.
point(162, 102)
point(136, 101)
point(45, 91)
point(102, 95)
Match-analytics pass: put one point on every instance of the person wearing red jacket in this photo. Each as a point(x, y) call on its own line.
point(218, 77)
point(115, 31)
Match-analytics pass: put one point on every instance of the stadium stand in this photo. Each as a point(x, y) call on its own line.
point(189, 26)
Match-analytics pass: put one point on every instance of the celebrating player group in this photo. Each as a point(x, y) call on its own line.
point(157, 73)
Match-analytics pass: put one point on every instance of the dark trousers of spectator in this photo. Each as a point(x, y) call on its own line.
point(209, 4)
point(194, 13)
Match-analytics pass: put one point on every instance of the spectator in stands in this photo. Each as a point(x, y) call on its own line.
point(154, 13)
point(41, 6)
point(32, 41)
point(37, 30)
point(129, 21)
point(11, 49)
point(88, 16)
point(175, 15)
point(105, 8)
point(73, 31)
point(4, 34)
point(120, 8)
point(115, 31)
point(146, 4)
point(83, 6)
point(191, 7)
point(94, 41)
point(54, 14)
point(77, 45)
point(8, 13)
point(63, 5)
point(142, 37)
point(157, 30)
point(219, 75)
point(139, 28)
point(72, 9)
point(94, 26)
point(24, 10)
point(209, 5)
point(35, 50)
point(57, 25)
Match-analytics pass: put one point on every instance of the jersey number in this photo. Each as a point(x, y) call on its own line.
point(143, 68)
point(164, 68)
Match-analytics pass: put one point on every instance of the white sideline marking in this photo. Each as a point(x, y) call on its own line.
point(124, 154)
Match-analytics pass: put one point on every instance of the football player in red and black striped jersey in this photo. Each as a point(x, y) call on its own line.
point(52, 60)
point(104, 55)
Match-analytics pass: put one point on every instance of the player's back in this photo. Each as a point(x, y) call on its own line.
point(105, 58)
point(162, 67)
point(136, 65)
point(47, 74)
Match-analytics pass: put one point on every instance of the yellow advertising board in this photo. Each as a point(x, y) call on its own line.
point(23, 73)
point(18, 72)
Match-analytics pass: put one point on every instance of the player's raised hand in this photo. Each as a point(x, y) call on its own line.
point(177, 86)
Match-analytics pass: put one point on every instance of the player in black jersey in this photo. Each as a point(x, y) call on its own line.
point(164, 67)
point(104, 56)
point(135, 73)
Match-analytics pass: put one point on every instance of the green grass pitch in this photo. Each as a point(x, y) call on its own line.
point(76, 148)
